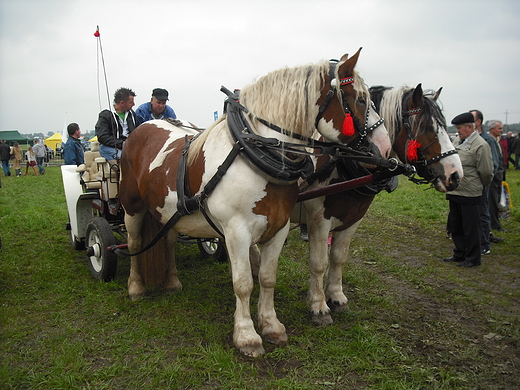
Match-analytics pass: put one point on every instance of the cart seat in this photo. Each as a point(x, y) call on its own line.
point(108, 174)
point(90, 168)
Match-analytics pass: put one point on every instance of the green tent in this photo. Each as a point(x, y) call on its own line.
point(12, 136)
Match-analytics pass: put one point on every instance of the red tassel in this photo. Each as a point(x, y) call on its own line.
point(412, 155)
point(348, 126)
point(96, 34)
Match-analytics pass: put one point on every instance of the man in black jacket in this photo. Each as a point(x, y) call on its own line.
point(5, 155)
point(113, 127)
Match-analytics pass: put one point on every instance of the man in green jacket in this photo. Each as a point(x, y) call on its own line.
point(475, 155)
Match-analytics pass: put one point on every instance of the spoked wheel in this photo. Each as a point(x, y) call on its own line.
point(213, 247)
point(99, 236)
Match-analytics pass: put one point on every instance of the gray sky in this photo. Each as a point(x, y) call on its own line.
point(49, 55)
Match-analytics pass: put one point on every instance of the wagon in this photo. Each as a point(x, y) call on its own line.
point(96, 219)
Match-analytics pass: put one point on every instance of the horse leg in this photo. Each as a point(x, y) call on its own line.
point(254, 259)
point(172, 281)
point(318, 229)
point(133, 223)
point(271, 328)
point(245, 337)
point(336, 299)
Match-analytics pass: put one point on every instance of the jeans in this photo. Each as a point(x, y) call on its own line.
point(39, 162)
point(5, 166)
point(109, 153)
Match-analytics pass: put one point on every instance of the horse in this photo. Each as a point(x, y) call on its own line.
point(243, 171)
point(417, 130)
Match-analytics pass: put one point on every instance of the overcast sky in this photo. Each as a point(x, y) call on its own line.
point(49, 55)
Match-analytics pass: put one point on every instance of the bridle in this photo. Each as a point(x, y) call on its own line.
point(361, 140)
point(412, 141)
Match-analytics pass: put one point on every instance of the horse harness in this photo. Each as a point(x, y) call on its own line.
point(416, 155)
point(283, 161)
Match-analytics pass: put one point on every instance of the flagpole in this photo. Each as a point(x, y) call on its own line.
point(100, 47)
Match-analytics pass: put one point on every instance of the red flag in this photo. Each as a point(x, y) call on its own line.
point(96, 34)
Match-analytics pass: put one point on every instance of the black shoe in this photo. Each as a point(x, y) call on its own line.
point(448, 235)
point(467, 264)
point(485, 251)
point(453, 259)
point(501, 229)
point(495, 239)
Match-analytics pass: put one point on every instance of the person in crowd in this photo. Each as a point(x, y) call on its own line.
point(485, 219)
point(31, 161)
point(113, 127)
point(39, 152)
point(17, 159)
point(516, 151)
point(72, 151)
point(5, 156)
point(510, 139)
point(495, 189)
point(464, 201)
point(156, 108)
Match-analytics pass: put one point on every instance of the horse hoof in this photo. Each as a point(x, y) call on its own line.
point(337, 306)
point(321, 318)
point(252, 351)
point(135, 297)
point(173, 289)
point(276, 340)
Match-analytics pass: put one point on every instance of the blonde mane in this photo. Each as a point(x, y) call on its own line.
point(287, 98)
point(391, 109)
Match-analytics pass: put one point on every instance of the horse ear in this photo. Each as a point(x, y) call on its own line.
point(348, 65)
point(437, 94)
point(417, 96)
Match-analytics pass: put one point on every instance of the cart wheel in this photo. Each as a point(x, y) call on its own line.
point(76, 244)
point(213, 247)
point(99, 236)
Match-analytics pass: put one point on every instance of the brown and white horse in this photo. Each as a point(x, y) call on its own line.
point(417, 130)
point(248, 205)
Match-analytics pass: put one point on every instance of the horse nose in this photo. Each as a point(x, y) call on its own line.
point(374, 149)
point(454, 181)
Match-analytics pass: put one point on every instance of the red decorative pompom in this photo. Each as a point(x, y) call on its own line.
point(96, 34)
point(412, 155)
point(348, 126)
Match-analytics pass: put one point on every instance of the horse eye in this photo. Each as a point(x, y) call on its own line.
point(362, 101)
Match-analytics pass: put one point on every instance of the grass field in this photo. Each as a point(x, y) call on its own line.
point(414, 322)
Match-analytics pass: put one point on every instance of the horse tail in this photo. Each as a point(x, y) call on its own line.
point(152, 263)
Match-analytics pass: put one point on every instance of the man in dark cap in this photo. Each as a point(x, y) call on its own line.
point(475, 155)
point(156, 108)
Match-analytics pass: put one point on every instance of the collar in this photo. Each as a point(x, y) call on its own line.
point(466, 143)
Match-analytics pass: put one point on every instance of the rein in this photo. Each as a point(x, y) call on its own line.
point(248, 138)
point(262, 152)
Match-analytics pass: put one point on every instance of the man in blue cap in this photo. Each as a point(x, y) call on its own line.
point(475, 155)
point(156, 108)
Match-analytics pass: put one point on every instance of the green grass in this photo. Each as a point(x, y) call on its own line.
point(414, 322)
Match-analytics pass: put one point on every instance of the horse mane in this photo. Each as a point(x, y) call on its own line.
point(287, 98)
point(389, 103)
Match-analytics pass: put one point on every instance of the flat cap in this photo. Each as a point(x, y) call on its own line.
point(160, 94)
point(466, 117)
